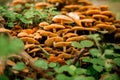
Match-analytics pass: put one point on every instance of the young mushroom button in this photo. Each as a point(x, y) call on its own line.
point(62, 19)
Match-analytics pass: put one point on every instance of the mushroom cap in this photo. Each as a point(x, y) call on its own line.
point(71, 7)
point(62, 18)
point(84, 2)
point(63, 31)
point(37, 36)
point(29, 46)
point(91, 12)
point(61, 44)
point(46, 33)
point(16, 2)
point(34, 50)
point(78, 38)
point(104, 7)
point(70, 35)
point(24, 34)
point(109, 28)
point(29, 40)
point(56, 26)
point(55, 1)
point(65, 56)
point(87, 20)
point(41, 5)
point(50, 41)
point(99, 16)
point(107, 13)
point(77, 28)
point(42, 24)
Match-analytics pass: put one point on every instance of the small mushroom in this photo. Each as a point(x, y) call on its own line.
point(77, 28)
point(91, 12)
point(104, 8)
point(53, 27)
point(24, 34)
point(71, 8)
point(29, 40)
point(62, 32)
point(37, 36)
point(62, 45)
point(68, 35)
point(100, 17)
point(87, 22)
point(65, 56)
point(105, 27)
point(84, 2)
point(34, 50)
point(62, 19)
point(16, 2)
point(46, 33)
point(41, 5)
point(42, 24)
point(78, 38)
point(51, 41)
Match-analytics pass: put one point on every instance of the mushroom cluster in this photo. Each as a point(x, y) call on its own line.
point(76, 20)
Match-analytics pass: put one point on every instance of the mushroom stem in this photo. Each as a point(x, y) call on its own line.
point(64, 48)
point(54, 30)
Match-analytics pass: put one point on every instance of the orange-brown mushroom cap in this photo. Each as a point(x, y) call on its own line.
point(54, 27)
point(52, 40)
point(78, 38)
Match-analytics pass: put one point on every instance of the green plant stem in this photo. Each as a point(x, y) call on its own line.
point(45, 52)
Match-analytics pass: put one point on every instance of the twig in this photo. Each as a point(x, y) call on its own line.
point(29, 59)
point(76, 58)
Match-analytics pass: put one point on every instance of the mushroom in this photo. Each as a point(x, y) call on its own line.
point(51, 41)
point(62, 32)
point(75, 17)
point(84, 2)
point(37, 36)
point(104, 8)
point(16, 2)
point(62, 45)
point(42, 24)
point(78, 38)
point(24, 34)
point(41, 5)
point(29, 40)
point(55, 1)
point(69, 35)
point(105, 27)
point(34, 50)
point(100, 17)
point(77, 28)
point(46, 33)
point(87, 22)
point(62, 19)
point(71, 8)
point(54, 27)
point(109, 14)
point(65, 56)
point(91, 12)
